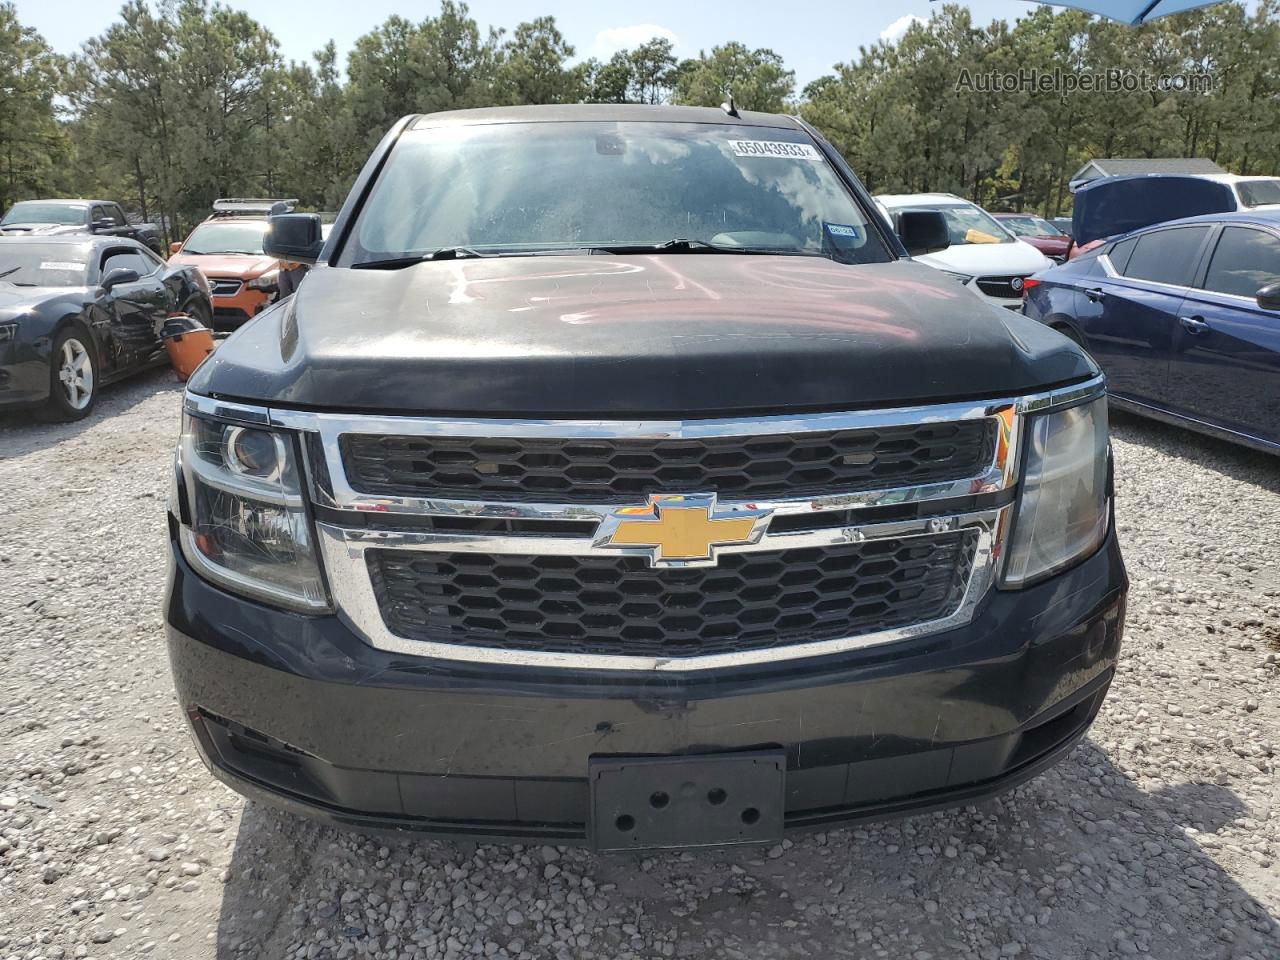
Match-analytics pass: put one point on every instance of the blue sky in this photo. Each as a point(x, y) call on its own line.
point(811, 35)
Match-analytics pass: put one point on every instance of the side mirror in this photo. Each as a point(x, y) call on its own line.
point(175, 246)
point(294, 237)
point(118, 276)
point(1269, 297)
point(923, 231)
point(106, 223)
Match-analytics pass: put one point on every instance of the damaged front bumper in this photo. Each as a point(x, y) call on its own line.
point(298, 710)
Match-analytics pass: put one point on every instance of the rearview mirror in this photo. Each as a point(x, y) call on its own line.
point(294, 237)
point(1269, 297)
point(118, 276)
point(175, 246)
point(923, 231)
point(106, 223)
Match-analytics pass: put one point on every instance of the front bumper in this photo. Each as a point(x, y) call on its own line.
point(300, 711)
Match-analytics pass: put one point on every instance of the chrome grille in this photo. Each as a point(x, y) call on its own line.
point(467, 575)
point(1002, 287)
point(600, 470)
point(619, 606)
point(221, 287)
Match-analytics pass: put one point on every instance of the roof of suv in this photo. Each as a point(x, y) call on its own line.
point(907, 199)
point(65, 201)
point(604, 112)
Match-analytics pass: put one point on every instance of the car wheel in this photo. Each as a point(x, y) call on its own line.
point(72, 376)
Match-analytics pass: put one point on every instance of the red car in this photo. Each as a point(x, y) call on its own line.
point(1038, 232)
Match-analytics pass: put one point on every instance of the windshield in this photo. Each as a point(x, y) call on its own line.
point(227, 236)
point(60, 213)
point(1029, 227)
point(969, 224)
point(1258, 193)
point(556, 186)
point(43, 265)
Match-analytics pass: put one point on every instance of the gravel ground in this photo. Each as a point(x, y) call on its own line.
point(1157, 836)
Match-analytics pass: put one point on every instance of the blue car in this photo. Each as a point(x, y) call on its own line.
point(1184, 319)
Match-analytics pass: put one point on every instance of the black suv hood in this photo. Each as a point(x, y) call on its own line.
point(626, 336)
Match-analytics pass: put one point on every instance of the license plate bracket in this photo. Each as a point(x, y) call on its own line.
point(640, 803)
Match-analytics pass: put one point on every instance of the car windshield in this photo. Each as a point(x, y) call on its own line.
point(227, 236)
point(43, 265)
point(558, 186)
point(969, 224)
point(60, 213)
point(1029, 227)
point(1258, 193)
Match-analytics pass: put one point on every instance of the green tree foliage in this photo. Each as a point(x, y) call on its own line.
point(757, 79)
point(33, 147)
point(906, 123)
point(532, 67)
point(182, 101)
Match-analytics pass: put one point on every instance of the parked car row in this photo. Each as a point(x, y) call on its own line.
point(77, 312)
point(1171, 282)
point(84, 295)
point(1183, 318)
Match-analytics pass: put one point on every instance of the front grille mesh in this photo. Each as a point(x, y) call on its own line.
point(621, 606)
point(601, 470)
point(1001, 287)
point(224, 288)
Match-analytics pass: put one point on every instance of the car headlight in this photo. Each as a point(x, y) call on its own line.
point(245, 523)
point(958, 277)
point(1065, 505)
point(268, 281)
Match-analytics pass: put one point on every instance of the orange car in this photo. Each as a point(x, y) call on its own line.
point(227, 248)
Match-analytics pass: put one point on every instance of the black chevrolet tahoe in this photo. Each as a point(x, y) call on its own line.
point(616, 477)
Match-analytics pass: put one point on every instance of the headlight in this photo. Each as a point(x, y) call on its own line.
point(249, 530)
point(958, 277)
point(1064, 507)
point(268, 281)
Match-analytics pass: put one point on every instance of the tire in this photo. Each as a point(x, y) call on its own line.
point(73, 376)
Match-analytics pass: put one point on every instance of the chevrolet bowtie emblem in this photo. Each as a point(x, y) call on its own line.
point(683, 530)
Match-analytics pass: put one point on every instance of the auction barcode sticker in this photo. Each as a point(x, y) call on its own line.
point(775, 148)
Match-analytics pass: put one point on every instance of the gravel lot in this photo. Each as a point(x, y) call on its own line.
point(1158, 836)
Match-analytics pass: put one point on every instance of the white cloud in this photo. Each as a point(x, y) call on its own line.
point(608, 42)
point(894, 31)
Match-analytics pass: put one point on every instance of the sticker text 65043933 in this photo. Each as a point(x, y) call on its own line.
point(775, 148)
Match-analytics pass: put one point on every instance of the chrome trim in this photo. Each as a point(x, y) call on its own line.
point(337, 493)
point(343, 551)
point(195, 403)
point(229, 287)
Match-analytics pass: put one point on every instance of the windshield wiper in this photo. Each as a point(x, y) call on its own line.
point(10, 270)
point(678, 245)
point(444, 253)
point(683, 245)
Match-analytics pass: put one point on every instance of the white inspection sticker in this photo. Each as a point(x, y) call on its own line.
point(61, 265)
point(775, 148)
